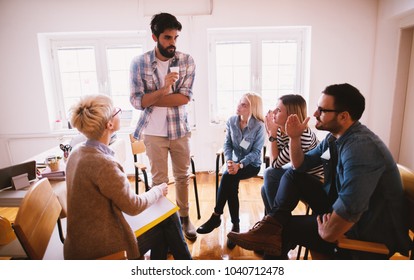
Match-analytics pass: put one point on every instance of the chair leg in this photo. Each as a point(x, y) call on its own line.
point(195, 189)
point(147, 187)
point(60, 229)
point(136, 180)
point(217, 173)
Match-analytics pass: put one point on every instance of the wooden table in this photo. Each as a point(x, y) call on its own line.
point(13, 198)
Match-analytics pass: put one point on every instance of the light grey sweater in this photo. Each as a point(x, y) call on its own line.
point(98, 193)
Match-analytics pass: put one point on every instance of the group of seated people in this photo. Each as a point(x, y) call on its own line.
point(349, 180)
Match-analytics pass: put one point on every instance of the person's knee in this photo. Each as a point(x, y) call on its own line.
point(267, 172)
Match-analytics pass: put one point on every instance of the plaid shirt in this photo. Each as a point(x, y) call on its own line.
point(144, 79)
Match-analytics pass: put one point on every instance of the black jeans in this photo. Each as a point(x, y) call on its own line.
point(164, 237)
point(229, 191)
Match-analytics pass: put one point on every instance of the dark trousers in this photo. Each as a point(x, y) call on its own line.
point(303, 229)
point(228, 191)
point(164, 237)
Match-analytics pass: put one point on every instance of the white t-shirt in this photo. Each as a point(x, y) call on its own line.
point(157, 125)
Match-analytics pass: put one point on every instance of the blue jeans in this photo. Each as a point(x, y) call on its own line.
point(303, 229)
point(228, 191)
point(164, 237)
point(271, 181)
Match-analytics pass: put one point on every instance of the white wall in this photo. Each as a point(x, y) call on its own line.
point(387, 100)
point(344, 38)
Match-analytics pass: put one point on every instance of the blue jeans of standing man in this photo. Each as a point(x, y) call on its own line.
point(229, 191)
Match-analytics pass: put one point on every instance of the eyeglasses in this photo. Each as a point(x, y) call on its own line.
point(118, 110)
point(322, 110)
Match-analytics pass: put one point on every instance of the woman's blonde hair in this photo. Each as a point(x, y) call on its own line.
point(91, 115)
point(295, 104)
point(256, 105)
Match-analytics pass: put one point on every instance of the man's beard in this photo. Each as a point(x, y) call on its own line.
point(165, 51)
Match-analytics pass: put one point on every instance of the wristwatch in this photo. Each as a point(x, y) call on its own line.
point(272, 139)
point(241, 165)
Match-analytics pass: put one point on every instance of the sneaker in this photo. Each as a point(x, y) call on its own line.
point(266, 236)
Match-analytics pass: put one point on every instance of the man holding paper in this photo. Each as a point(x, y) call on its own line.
point(161, 87)
point(99, 193)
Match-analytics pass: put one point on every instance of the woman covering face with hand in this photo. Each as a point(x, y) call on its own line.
point(279, 144)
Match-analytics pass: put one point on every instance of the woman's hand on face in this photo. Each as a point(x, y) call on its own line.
point(271, 127)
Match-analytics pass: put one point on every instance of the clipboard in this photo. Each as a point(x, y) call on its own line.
point(151, 216)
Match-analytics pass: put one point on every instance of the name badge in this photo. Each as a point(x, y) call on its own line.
point(244, 144)
point(326, 155)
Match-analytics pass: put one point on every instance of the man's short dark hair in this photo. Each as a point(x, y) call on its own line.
point(161, 22)
point(347, 98)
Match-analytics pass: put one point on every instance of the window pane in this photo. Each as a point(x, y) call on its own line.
point(119, 61)
point(78, 75)
point(242, 78)
point(224, 105)
point(279, 68)
point(233, 69)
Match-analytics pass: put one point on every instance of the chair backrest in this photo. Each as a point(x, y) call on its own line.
point(137, 146)
point(36, 219)
point(407, 177)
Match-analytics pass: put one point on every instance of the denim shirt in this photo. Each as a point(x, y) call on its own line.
point(369, 187)
point(253, 135)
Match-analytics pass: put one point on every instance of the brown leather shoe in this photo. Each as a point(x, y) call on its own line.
point(266, 235)
point(188, 228)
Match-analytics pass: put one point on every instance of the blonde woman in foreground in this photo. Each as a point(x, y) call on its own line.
point(99, 192)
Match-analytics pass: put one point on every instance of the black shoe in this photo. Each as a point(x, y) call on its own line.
point(231, 244)
point(210, 225)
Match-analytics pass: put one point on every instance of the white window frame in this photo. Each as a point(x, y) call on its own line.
point(51, 42)
point(300, 34)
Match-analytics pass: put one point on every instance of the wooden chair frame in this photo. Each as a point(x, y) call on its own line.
point(407, 178)
point(36, 219)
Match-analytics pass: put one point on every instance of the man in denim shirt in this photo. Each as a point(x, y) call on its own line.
point(362, 196)
point(161, 87)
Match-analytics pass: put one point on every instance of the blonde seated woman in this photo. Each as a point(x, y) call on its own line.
point(243, 145)
point(99, 192)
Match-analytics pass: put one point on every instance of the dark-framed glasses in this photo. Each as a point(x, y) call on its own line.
point(117, 111)
point(323, 110)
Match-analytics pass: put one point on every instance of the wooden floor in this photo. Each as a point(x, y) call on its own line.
point(213, 246)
